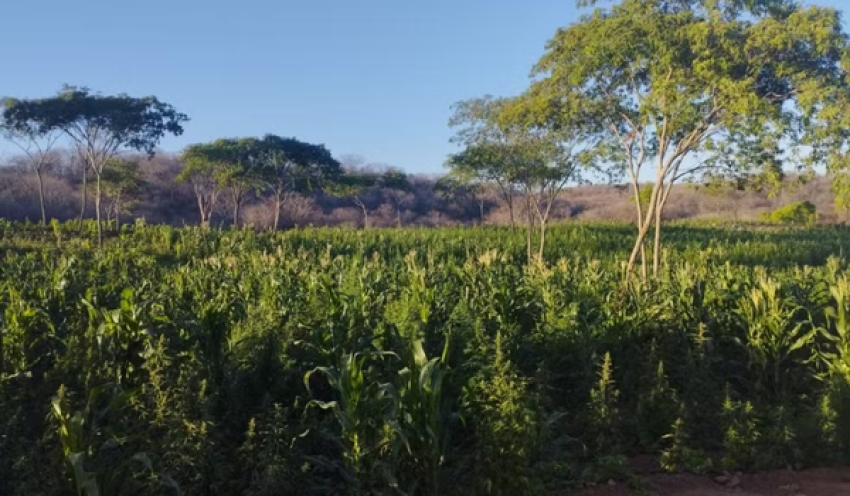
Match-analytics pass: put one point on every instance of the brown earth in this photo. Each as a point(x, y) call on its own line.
point(814, 482)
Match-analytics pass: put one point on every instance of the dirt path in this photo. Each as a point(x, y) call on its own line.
point(815, 482)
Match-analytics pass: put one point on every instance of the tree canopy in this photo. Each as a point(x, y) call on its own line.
point(699, 85)
point(98, 125)
point(102, 123)
point(509, 145)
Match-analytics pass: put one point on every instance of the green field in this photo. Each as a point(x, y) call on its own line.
point(413, 361)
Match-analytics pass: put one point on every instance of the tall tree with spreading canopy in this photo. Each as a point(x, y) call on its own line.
point(507, 145)
point(476, 122)
point(208, 175)
point(232, 165)
point(37, 145)
point(99, 126)
point(290, 166)
point(683, 87)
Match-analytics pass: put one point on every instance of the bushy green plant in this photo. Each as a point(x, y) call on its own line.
point(679, 455)
point(506, 425)
point(657, 409)
point(603, 426)
point(799, 213)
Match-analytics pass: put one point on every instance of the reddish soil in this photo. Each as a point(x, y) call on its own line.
point(814, 482)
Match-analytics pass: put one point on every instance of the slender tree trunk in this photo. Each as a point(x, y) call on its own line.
point(278, 204)
point(97, 200)
point(118, 212)
point(639, 212)
point(481, 211)
point(41, 196)
point(362, 206)
point(201, 210)
point(656, 247)
point(85, 196)
point(529, 229)
point(637, 248)
point(236, 204)
point(542, 239)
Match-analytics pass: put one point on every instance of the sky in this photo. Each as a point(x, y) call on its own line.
point(374, 78)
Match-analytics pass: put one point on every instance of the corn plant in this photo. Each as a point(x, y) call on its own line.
point(777, 329)
point(88, 437)
point(366, 412)
point(835, 355)
point(426, 415)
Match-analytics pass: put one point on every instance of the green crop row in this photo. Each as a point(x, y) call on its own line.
point(335, 361)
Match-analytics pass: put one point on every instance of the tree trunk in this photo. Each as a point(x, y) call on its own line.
point(118, 212)
point(97, 199)
point(542, 239)
point(481, 211)
point(278, 204)
point(639, 212)
point(201, 209)
point(236, 205)
point(85, 196)
point(656, 247)
point(41, 196)
point(362, 206)
point(529, 229)
point(637, 248)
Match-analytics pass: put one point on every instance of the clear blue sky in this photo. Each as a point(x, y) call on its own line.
point(370, 77)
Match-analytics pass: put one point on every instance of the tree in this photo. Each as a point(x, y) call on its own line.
point(457, 186)
point(99, 126)
point(243, 161)
point(476, 163)
point(698, 85)
point(511, 147)
point(207, 174)
point(727, 192)
point(233, 165)
point(353, 184)
point(37, 145)
point(395, 182)
point(122, 182)
point(290, 166)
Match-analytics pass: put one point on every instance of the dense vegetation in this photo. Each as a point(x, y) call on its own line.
point(140, 359)
point(413, 361)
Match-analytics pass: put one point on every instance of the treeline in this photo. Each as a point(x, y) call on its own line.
point(153, 192)
point(158, 198)
point(84, 154)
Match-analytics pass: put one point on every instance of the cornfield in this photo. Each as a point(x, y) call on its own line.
point(413, 361)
